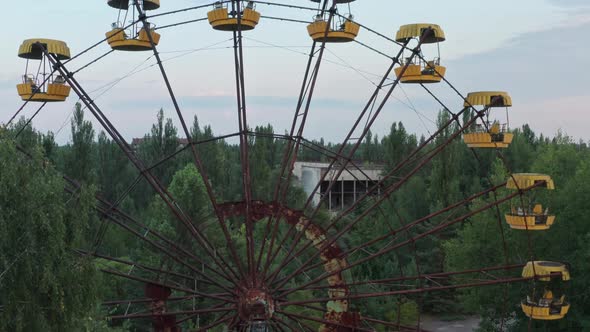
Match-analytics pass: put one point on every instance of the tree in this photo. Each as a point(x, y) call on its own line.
point(397, 145)
point(213, 156)
point(262, 161)
point(43, 285)
point(80, 159)
point(160, 143)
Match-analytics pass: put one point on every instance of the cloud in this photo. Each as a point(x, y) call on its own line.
point(570, 3)
point(538, 69)
point(548, 63)
point(569, 114)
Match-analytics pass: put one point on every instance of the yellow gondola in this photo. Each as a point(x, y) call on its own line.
point(43, 87)
point(221, 19)
point(489, 134)
point(124, 4)
point(546, 306)
point(418, 70)
point(342, 29)
point(135, 38)
point(527, 213)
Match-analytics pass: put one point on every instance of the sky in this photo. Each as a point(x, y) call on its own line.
point(537, 50)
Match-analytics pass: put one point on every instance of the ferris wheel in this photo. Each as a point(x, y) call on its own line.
point(286, 266)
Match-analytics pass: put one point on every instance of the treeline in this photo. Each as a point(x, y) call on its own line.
point(45, 284)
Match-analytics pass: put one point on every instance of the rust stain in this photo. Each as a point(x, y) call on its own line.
point(332, 257)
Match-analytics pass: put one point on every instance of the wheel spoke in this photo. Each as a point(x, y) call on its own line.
point(305, 97)
point(143, 267)
point(169, 253)
point(290, 272)
point(158, 283)
point(415, 238)
point(243, 128)
point(368, 126)
point(196, 158)
point(395, 232)
point(155, 183)
point(300, 325)
point(414, 291)
point(323, 321)
point(187, 312)
point(216, 323)
point(386, 192)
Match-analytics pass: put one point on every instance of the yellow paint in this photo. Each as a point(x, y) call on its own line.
point(525, 180)
point(547, 307)
point(220, 19)
point(317, 31)
point(423, 73)
point(535, 311)
point(487, 140)
point(519, 222)
point(55, 92)
point(484, 98)
point(409, 31)
point(534, 218)
point(29, 50)
point(118, 40)
point(494, 135)
point(545, 268)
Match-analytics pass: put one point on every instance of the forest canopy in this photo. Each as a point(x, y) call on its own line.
point(57, 222)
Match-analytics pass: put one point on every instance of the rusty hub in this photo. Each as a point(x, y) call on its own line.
point(256, 305)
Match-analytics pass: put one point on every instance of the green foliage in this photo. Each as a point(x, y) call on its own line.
point(80, 159)
point(408, 313)
point(479, 242)
point(44, 286)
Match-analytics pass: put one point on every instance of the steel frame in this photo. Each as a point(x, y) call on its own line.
point(235, 278)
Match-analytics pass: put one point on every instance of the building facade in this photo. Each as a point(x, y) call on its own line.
point(353, 183)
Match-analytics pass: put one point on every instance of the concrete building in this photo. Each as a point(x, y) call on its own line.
point(350, 185)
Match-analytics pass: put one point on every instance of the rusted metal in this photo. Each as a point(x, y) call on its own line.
point(152, 180)
point(146, 300)
point(243, 127)
point(440, 275)
point(389, 175)
point(348, 136)
point(499, 216)
point(142, 266)
point(418, 290)
point(218, 322)
point(398, 327)
point(176, 313)
point(256, 305)
point(161, 320)
point(416, 222)
point(401, 244)
point(331, 257)
point(290, 155)
point(388, 190)
point(330, 326)
point(164, 250)
point(196, 157)
point(257, 296)
point(159, 283)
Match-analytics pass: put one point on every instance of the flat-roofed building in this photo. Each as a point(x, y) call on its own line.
point(353, 183)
